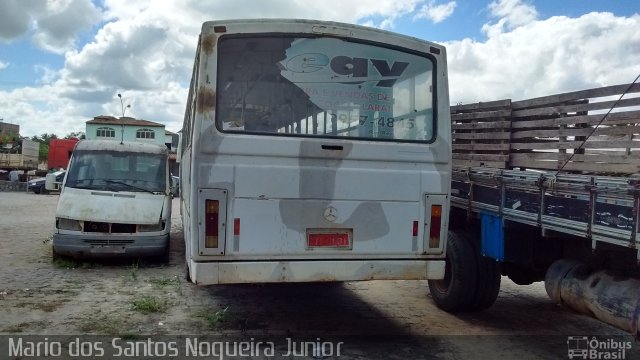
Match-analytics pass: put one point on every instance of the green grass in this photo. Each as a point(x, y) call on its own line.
point(25, 327)
point(15, 328)
point(214, 318)
point(162, 282)
point(102, 324)
point(49, 306)
point(149, 304)
point(62, 262)
point(133, 271)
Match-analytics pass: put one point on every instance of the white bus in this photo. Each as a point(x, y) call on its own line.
point(314, 151)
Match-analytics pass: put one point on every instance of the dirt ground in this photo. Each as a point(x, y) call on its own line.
point(145, 299)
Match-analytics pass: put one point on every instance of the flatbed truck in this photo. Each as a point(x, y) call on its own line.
point(547, 189)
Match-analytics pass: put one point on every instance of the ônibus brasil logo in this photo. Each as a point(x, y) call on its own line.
point(583, 347)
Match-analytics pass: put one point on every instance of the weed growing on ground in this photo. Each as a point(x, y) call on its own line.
point(64, 263)
point(133, 271)
point(163, 282)
point(102, 324)
point(214, 318)
point(149, 304)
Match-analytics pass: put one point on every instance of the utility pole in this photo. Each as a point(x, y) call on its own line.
point(122, 118)
point(124, 109)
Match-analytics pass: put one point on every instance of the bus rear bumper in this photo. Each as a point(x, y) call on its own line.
point(206, 273)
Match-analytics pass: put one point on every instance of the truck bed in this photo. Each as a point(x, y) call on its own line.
point(564, 163)
point(600, 208)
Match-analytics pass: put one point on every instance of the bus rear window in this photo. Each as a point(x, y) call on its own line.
point(325, 87)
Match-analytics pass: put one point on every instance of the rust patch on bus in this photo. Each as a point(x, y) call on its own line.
point(206, 99)
point(209, 43)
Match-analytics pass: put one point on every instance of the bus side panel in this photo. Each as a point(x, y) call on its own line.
point(186, 202)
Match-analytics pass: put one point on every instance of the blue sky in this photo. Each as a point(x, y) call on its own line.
point(62, 62)
point(469, 16)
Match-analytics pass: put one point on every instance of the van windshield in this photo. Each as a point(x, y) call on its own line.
point(117, 171)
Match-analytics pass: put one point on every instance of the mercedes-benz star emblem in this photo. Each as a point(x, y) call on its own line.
point(331, 214)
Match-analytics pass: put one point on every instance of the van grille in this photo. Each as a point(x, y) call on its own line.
point(123, 228)
point(94, 226)
point(110, 242)
point(114, 228)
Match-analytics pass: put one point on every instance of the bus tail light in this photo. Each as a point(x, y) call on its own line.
point(436, 226)
point(212, 213)
point(212, 221)
point(236, 227)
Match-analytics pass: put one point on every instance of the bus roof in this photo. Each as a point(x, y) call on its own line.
point(320, 27)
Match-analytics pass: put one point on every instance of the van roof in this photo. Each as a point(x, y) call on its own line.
point(126, 146)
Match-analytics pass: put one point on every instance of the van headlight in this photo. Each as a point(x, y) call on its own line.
point(68, 224)
point(148, 228)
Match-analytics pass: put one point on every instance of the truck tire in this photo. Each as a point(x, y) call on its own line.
point(488, 282)
point(488, 274)
point(455, 293)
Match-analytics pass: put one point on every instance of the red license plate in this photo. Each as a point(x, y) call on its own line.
point(329, 239)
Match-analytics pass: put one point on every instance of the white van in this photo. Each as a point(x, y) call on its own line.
point(115, 200)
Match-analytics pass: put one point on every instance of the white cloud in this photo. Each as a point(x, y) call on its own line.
point(48, 75)
point(3, 65)
point(546, 57)
point(436, 13)
point(122, 55)
point(17, 16)
point(40, 110)
point(57, 30)
point(54, 24)
point(511, 14)
point(191, 13)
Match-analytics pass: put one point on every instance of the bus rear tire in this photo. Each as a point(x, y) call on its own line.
point(187, 273)
point(456, 291)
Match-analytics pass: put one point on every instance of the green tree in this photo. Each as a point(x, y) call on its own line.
point(45, 138)
point(8, 138)
point(76, 134)
point(43, 152)
point(44, 141)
